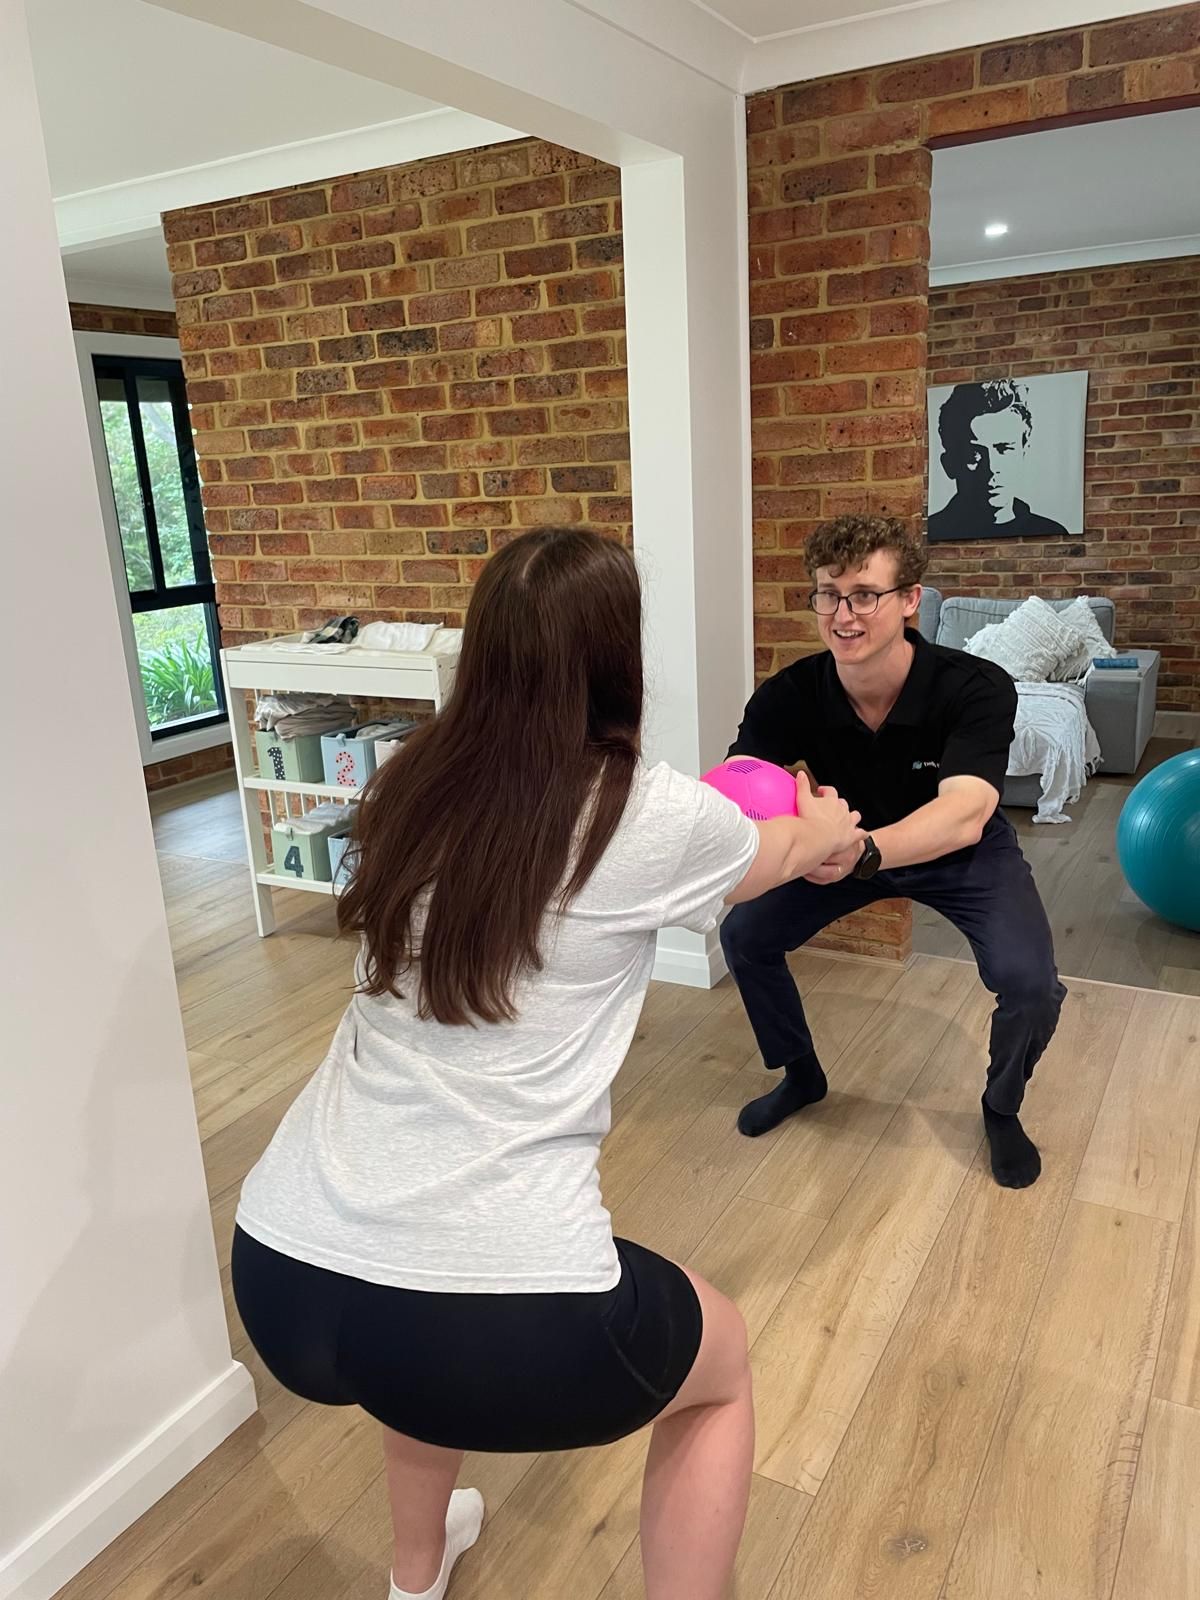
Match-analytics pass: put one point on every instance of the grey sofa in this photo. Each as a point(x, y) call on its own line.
point(1120, 704)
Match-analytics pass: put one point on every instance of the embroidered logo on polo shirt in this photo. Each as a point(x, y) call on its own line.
point(920, 766)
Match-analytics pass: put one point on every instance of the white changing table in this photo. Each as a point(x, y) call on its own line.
point(278, 665)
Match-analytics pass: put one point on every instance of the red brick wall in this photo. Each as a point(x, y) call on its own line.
point(1136, 329)
point(122, 319)
point(394, 372)
point(839, 246)
point(185, 769)
point(839, 256)
point(839, 211)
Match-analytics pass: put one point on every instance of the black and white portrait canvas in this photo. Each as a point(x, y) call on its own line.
point(1006, 458)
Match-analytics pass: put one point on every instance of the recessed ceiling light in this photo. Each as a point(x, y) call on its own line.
point(996, 230)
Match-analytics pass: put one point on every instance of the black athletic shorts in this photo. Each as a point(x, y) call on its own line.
point(502, 1372)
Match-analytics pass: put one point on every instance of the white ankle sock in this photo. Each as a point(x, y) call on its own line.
point(463, 1522)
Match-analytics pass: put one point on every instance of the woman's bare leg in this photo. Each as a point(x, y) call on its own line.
point(697, 1481)
point(421, 1479)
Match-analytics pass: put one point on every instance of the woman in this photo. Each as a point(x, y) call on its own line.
point(425, 1236)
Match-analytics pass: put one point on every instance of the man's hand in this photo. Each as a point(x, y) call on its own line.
point(837, 867)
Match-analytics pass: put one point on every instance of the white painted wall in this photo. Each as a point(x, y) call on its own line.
point(115, 1370)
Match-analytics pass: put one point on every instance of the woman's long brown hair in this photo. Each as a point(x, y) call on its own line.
point(483, 810)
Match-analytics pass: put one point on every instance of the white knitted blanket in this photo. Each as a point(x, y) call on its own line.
point(1055, 740)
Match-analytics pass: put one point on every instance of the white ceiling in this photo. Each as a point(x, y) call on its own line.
point(772, 19)
point(127, 272)
point(126, 90)
point(1107, 191)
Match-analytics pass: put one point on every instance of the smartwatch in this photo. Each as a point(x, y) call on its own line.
point(870, 861)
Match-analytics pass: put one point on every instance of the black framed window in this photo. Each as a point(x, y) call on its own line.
point(156, 492)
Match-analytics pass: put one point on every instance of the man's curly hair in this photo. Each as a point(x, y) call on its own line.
point(846, 542)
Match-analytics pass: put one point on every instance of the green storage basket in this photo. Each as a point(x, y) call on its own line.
point(300, 853)
point(290, 760)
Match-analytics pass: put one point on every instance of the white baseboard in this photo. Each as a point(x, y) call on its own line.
point(64, 1545)
point(694, 960)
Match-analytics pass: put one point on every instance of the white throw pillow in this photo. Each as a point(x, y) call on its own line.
point(997, 642)
point(1032, 644)
point(1080, 616)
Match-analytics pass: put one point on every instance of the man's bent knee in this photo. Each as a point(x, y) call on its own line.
point(1034, 991)
point(741, 938)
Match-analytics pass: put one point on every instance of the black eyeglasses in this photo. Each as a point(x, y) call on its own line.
point(861, 603)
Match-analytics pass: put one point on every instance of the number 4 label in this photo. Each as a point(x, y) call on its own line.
point(292, 862)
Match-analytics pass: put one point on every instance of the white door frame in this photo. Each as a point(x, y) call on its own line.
point(87, 345)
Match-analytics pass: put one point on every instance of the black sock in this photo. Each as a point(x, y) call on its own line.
point(1015, 1159)
point(803, 1085)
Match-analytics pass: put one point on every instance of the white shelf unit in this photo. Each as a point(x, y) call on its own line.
point(271, 666)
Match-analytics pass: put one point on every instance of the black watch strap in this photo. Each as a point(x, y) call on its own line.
point(870, 861)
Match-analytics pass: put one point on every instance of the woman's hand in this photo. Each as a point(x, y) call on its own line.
point(831, 816)
point(837, 867)
point(793, 847)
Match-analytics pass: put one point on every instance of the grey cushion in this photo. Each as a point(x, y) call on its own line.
point(927, 616)
point(1120, 705)
point(960, 617)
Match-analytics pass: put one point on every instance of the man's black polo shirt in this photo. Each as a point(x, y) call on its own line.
point(954, 716)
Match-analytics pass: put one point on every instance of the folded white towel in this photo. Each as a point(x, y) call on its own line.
point(396, 635)
point(331, 817)
point(446, 642)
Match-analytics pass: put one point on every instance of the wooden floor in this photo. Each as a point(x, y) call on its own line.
point(963, 1393)
point(1101, 929)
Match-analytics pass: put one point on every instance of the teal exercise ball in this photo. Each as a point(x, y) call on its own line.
point(1158, 840)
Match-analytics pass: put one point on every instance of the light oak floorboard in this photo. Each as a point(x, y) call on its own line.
point(753, 1253)
point(688, 1078)
point(815, 1358)
point(773, 1520)
point(819, 1152)
point(893, 1503)
point(1161, 1552)
point(245, 1540)
point(1178, 1376)
point(1051, 1504)
point(1141, 1149)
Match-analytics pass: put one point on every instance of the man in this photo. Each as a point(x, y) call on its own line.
point(915, 737)
point(985, 430)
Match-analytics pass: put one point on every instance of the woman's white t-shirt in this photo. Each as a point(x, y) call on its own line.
point(463, 1159)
